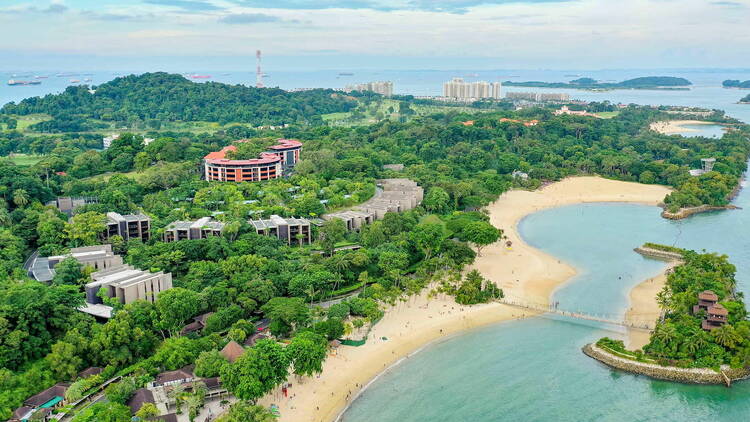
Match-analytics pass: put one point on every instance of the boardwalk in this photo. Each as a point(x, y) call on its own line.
point(604, 318)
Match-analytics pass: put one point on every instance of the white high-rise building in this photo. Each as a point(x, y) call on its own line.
point(384, 88)
point(459, 89)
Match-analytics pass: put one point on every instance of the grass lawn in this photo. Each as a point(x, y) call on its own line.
point(25, 159)
point(106, 176)
point(607, 114)
point(25, 121)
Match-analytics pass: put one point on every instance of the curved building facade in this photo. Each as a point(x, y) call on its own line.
point(270, 165)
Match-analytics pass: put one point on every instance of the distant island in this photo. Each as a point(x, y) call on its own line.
point(736, 83)
point(745, 100)
point(647, 82)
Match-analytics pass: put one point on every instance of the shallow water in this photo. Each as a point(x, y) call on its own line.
point(708, 131)
point(533, 370)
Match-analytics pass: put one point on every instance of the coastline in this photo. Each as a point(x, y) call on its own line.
point(672, 127)
point(724, 376)
point(643, 306)
point(523, 272)
point(529, 274)
point(405, 329)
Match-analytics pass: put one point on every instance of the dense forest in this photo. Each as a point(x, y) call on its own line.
point(736, 83)
point(161, 97)
point(647, 82)
point(462, 160)
point(678, 339)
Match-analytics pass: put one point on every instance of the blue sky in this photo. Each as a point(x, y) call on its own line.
point(390, 34)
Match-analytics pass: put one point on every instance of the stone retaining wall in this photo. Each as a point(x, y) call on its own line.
point(659, 254)
point(668, 373)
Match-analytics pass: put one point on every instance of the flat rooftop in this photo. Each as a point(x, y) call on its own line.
point(97, 310)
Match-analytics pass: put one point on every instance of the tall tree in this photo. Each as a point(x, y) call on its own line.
point(481, 234)
point(84, 229)
point(175, 306)
point(286, 314)
point(259, 370)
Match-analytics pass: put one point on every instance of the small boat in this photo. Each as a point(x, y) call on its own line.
point(200, 76)
point(41, 77)
point(87, 80)
point(75, 81)
point(346, 74)
point(15, 82)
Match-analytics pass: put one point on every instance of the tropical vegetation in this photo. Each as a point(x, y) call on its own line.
point(244, 279)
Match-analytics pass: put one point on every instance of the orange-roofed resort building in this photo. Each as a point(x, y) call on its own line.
point(270, 165)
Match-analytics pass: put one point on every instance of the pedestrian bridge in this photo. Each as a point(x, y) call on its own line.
point(614, 319)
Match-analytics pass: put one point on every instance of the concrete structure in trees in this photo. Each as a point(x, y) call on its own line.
point(98, 257)
point(127, 284)
point(392, 195)
point(131, 226)
point(201, 228)
point(293, 231)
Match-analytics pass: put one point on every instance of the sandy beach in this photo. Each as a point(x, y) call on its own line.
point(643, 307)
point(672, 127)
point(404, 330)
point(526, 273)
point(523, 272)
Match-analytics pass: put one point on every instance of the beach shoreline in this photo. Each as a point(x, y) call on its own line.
point(672, 127)
point(643, 306)
point(522, 271)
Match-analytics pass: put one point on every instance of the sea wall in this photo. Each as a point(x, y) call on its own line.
point(667, 373)
point(659, 254)
point(687, 212)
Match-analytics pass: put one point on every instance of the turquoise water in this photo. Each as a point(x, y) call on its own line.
point(533, 370)
point(708, 131)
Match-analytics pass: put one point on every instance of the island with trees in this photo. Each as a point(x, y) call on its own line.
point(703, 326)
point(745, 99)
point(233, 284)
point(736, 83)
point(646, 82)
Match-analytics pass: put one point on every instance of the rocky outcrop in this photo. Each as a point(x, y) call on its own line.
point(687, 212)
point(667, 373)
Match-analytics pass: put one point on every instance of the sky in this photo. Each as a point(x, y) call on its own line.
point(374, 34)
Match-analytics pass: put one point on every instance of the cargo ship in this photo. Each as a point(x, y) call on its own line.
point(14, 82)
point(200, 76)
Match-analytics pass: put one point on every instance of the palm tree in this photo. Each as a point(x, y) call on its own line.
point(695, 343)
point(663, 299)
point(20, 197)
point(194, 403)
point(311, 292)
point(339, 262)
point(175, 393)
point(5, 219)
point(665, 333)
point(726, 336)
